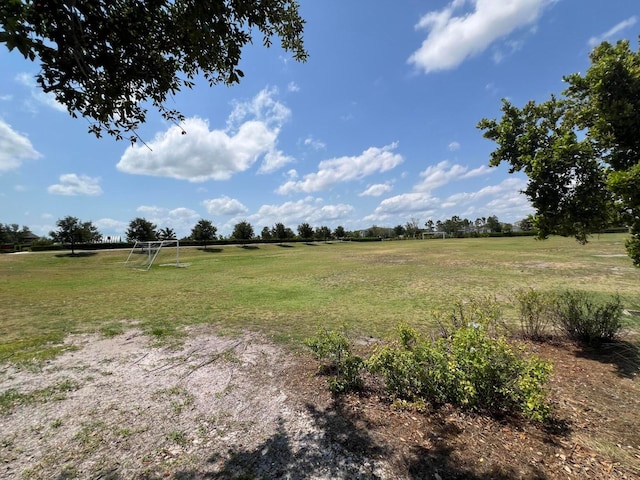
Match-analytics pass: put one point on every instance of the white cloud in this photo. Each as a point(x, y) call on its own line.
point(72, 184)
point(291, 214)
point(453, 146)
point(504, 199)
point(224, 206)
point(456, 34)
point(613, 31)
point(293, 87)
point(202, 154)
point(14, 148)
point(345, 169)
point(376, 190)
point(476, 172)
point(274, 160)
point(109, 227)
point(180, 219)
point(313, 143)
point(404, 204)
point(47, 99)
point(435, 176)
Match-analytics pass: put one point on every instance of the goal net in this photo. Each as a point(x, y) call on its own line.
point(165, 253)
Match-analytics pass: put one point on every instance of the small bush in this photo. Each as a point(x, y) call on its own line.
point(586, 320)
point(344, 367)
point(469, 369)
point(483, 311)
point(536, 310)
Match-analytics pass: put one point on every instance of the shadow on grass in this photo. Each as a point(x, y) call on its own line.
point(624, 355)
point(76, 254)
point(210, 250)
point(311, 244)
point(284, 245)
point(249, 247)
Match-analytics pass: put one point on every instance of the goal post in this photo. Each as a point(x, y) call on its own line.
point(160, 252)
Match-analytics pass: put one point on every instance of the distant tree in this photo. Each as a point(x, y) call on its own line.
point(305, 231)
point(242, 231)
point(412, 227)
point(141, 230)
point(204, 231)
point(339, 232)
point(377, 232)
point(322, 233)
point(72, 231)
point(107, 60)
point(288, 234)
point(493, 224)
point(527, 223)
point(279, 232)
point(399, 230)
point(266, 234)
point(507, 228)
point(11, 233)
point(430, 225)
point(167, 234)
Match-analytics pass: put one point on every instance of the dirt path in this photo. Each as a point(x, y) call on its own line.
point(121, 408)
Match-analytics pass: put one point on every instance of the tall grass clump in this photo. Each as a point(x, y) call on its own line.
point(587, 320)
point(536, 311)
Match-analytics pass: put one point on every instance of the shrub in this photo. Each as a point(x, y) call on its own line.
point(469, 369)
point(586, 320)
point(535, 312)
point(343, 367)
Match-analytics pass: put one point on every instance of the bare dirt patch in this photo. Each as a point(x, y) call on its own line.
point(240, 408)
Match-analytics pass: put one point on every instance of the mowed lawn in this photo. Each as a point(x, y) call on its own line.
point(288, 291)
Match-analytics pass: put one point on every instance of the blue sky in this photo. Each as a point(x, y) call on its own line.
point(377, 127)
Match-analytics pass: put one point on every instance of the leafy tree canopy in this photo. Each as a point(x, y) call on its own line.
point(71, 230)
point(11, 233)
point(242, 231)
point(105, 59)
point(167, 234)
point(581, 151)
point(142, 230)
point(204, 231)
point(305, 231)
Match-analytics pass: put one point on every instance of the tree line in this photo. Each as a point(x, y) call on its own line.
point(72, 231)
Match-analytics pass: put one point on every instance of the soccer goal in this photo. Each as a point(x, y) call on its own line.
point(165, 253)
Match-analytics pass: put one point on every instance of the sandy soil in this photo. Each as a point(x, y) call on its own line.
point(243, 408)
point(123, 408)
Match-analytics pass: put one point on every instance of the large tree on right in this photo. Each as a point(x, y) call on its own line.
point(581, 150)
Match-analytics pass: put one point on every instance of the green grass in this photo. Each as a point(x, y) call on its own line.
point(287, 293)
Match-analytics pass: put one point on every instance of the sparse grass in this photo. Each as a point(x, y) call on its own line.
point(287, 293)
point(11, 398)
point(179, 398)
point(178, 437)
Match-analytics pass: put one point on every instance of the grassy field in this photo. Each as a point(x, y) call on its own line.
point(287, 291)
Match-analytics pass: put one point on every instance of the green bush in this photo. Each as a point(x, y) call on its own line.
point(469, 369)
point(587, 320)
point(342, 366)
point(535, 311)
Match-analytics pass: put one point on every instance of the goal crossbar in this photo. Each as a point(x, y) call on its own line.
point(144, 253)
